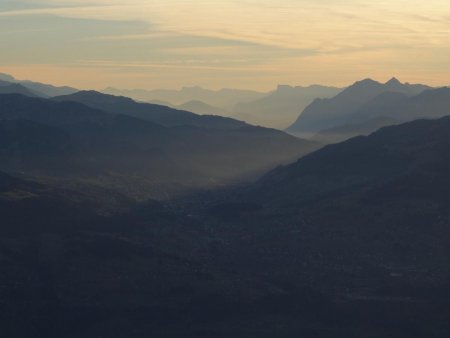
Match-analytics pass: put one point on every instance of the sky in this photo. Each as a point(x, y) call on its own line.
point(252, 44)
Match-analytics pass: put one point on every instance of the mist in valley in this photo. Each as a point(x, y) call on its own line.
point(217, 170)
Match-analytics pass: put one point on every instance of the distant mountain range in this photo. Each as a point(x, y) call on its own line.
point(282, 106)
point(37, 88)
point(330, 114)
point(347, 131)
point(202, 108)
point(387, 109)
point(15, 88)
point(350, 105)
point(275, 109)
point(163, 115)
point(223, 98)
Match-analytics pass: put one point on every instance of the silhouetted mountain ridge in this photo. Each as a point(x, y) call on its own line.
point(202, 108)
point(281, 106)
point(347, 131)
point(328, 113)
point(155, 113)
point(224, 98)
point(40, 89)
point(14, 88)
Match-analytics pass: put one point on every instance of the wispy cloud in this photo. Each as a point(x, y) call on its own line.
point(297, 36)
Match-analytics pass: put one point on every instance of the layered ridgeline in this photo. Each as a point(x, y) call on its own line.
point(160, 114)
point(15, 88)
point(280, 107)
point(275, 109)
point(113, 148)
point(365, 101)
point(202, 108)
point(35, 88)
point(224, 98)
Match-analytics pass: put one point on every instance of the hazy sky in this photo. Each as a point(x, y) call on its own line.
point(228, 43)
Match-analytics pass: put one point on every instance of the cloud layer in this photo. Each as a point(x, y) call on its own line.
point(226, 43)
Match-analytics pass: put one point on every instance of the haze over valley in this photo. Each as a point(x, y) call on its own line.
point(224, 169)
